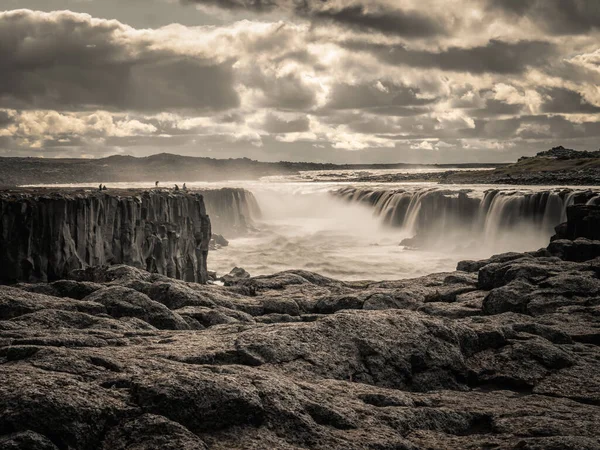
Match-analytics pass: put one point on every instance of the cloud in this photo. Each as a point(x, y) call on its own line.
point(561, 100)
point(495, 57)
point(384, 20)
point(299, 79)
point(554, 16)
point(275, 124)
point(378, 16)
point(71, 61)
point(375, 96)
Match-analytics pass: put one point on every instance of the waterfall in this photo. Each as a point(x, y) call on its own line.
point(493, 218)
point(232, 211)
point(594, 200)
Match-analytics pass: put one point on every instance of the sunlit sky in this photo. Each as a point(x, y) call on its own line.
point(305, 80)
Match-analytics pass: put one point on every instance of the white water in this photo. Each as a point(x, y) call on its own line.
point(304, 226)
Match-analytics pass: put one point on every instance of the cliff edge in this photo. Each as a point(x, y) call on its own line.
point(44, 236)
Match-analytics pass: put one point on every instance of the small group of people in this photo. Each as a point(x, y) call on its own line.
point(102, 188)
point(176, 188)
point(184, 187)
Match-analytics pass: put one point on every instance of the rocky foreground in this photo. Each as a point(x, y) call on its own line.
point(502, 354)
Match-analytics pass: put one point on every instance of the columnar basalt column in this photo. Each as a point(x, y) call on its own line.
point(45, 236)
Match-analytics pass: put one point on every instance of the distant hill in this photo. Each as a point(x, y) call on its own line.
point(162, 167)
point(557, 166)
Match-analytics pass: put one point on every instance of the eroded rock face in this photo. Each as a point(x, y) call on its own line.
point(583, 221)
point(44, 237)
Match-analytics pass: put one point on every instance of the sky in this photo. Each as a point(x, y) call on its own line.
point(425, 81)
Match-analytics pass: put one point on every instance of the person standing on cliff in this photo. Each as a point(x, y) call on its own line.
point(156, 184)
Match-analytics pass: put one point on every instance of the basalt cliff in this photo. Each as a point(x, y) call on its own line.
point(45, 236)
point(501, 354)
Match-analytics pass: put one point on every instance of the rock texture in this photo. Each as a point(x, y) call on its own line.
point(502, 354)
point(45, 236)
point(583, 221)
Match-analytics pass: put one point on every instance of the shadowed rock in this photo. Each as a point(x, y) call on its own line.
point(502, 355)
point(44, 237)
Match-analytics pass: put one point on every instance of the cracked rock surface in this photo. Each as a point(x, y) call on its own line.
point(502, 354)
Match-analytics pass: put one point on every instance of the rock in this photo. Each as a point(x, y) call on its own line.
point(16, 302)
point(63, 288)
point(580, 249)
point(504, 354)
point(330, 305)
point(583, 221)
point(217, 241)
point(75, 417)
point(152, 432)
point(232, 210)
point(44, 237)
point(203, 401)
point(444, 376)
point(474, 266)
point(27, 440)
point(124, 302)
point(176, 296)
point(208, 317)
point(237, 274)
point(563, 153)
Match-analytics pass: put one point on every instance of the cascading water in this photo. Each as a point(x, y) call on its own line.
point(231, 210)
point(497, 220)
point(355, 233)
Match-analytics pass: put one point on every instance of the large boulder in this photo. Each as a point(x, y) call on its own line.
point(236, 275)
point(583, 221)
point(124, 302)
point(580, 249)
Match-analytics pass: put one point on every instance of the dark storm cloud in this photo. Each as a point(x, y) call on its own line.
point(493, 108)
point(374, 95)
point(274, 124)
point(554, 16)
point(386, 21)
point(372, 16)
point(253, 5)
point(286, 92)
point(494, 57)
point(562, 100)
point(6, 118)
point(68, 61)
point(497, 108)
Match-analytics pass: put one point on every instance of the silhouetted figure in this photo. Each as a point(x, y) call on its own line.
point(184, 187)
point(104, 188)
point(176, 187)
point(100, 187)
point(156, 184)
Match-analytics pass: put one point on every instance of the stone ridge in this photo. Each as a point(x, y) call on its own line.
point(561, 152)
point(44, 236)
